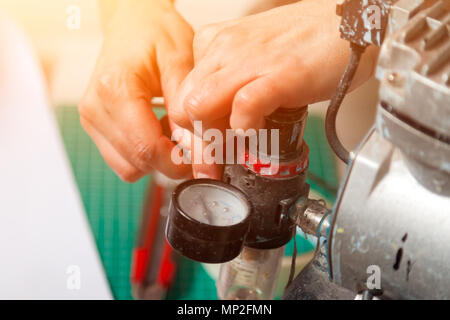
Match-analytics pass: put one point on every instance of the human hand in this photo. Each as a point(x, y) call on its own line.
point(247, 68)
point(147, 52)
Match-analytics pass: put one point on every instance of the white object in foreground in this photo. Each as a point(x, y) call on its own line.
point(47, 250)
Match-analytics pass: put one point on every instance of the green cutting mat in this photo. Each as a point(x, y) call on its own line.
point(113, 207)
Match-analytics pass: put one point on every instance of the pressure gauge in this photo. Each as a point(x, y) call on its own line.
point(208, 220)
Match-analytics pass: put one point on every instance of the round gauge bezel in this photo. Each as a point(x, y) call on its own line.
point(214, 184)
point(204, 242)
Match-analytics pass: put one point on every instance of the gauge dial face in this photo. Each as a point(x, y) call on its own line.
point(213, 205)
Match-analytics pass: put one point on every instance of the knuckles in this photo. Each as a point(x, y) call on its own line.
point(86, 110)
point(178, 118)
point(205, 35)
point(143, 154)
point(212, 36)
point(193, 105)
point(242, 102)
point(84, 123)
point(129, 174)
point(100, 93)
point(110, 86)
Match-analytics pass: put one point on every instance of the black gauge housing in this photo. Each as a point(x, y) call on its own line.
point(204, 242)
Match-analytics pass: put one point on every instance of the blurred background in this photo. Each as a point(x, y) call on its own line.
point(67, 57)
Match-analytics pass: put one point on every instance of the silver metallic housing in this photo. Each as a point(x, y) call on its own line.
point(393, 210)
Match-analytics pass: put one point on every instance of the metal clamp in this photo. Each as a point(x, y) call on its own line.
point(313, 217)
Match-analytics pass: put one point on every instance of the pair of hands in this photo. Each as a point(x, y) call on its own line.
point(228, 74)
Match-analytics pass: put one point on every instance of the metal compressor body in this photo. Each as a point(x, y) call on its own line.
point(393, 211)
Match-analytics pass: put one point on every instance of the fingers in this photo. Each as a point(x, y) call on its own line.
point(207, 96)
point(126, 171)
point(247, 99)
point(118, 108)
point(147, 51)
point(203, 159)
point(137, 135)
point(172, 75)
point(207, 157)
point(207, 171)
point(211, 99)
point(212, 96)
point(177, 111)
point(175, 61)
point(253, 102)
point(206, 35)
point(205, 92)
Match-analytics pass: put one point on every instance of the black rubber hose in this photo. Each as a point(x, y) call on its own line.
point(336, 101)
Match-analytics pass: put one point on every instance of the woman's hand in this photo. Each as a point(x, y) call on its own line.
point(245, 69)
point(147, 52)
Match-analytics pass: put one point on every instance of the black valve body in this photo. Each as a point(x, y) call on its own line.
point(272, 196)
